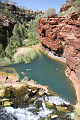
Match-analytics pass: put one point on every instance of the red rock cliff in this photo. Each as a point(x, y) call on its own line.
point(61, 36)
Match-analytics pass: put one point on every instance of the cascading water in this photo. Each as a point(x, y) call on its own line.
point(46, 72)
point(33, 112)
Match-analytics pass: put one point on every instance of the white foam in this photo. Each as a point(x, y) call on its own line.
point(21, 113)
point(26, 114)
point(56, 100)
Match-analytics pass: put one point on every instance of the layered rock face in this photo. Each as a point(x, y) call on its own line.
point(66, 6)
point(61, 36)
point(69, 7)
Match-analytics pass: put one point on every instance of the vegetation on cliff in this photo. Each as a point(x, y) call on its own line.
point(32, 33)
point(70, 7)
point(18, 27)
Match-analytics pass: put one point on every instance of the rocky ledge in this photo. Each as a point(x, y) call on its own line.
point(25, 97)
point(33, 99)
point(18, 93)
point(61, 36)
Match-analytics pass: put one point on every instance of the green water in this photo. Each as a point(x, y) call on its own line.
point(48, 72)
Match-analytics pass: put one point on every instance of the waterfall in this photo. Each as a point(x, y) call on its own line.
point(33, 112)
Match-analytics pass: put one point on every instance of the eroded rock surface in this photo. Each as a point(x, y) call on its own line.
point(61, 36)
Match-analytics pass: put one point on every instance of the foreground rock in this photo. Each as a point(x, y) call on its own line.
point(8, 76)
point(27, 100)
point(32, 101)
point(17, 94)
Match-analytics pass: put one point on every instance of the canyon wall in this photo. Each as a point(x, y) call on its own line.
point(61, 36)
point(11, 15)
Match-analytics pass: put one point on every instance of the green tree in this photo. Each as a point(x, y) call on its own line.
point(20, 31)
point(32, 33)
point(12, 45)
point(19, 34)
point(50, 12)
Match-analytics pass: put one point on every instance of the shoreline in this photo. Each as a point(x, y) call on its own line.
point(61, 59)
point(76, 83)
point(49, 54)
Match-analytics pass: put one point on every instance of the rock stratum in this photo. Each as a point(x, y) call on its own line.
point(61, 36)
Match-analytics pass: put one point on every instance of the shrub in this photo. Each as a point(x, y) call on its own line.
point(1, 59)
point(76, 3)
point(6, 61)
point(20, 31)
point(19, 34)
point(60, 14)
point(74, 7)
point(25, 55)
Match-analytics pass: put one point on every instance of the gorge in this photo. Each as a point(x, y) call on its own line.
point(61, 36)
point(35, 101)
point(27, 39)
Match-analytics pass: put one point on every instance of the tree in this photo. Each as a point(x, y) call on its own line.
point(50, 12)
point(12, 45)
point(20, 31)
point(32, 32)
point(19, 34)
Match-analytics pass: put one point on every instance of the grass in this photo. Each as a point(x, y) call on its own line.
point(10, 72)
point(24, 55)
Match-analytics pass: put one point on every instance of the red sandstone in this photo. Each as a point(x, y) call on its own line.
point(61, 36)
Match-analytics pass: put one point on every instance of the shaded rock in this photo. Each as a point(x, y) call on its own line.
point(40, 92)
point(34, 111)
point(50, 105)
point(6, 103)
point(19, 95)
point(62, 109)
point(38, 104)
point(3, 78)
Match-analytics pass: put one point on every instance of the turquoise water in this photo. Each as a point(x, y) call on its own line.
point(49, 72)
